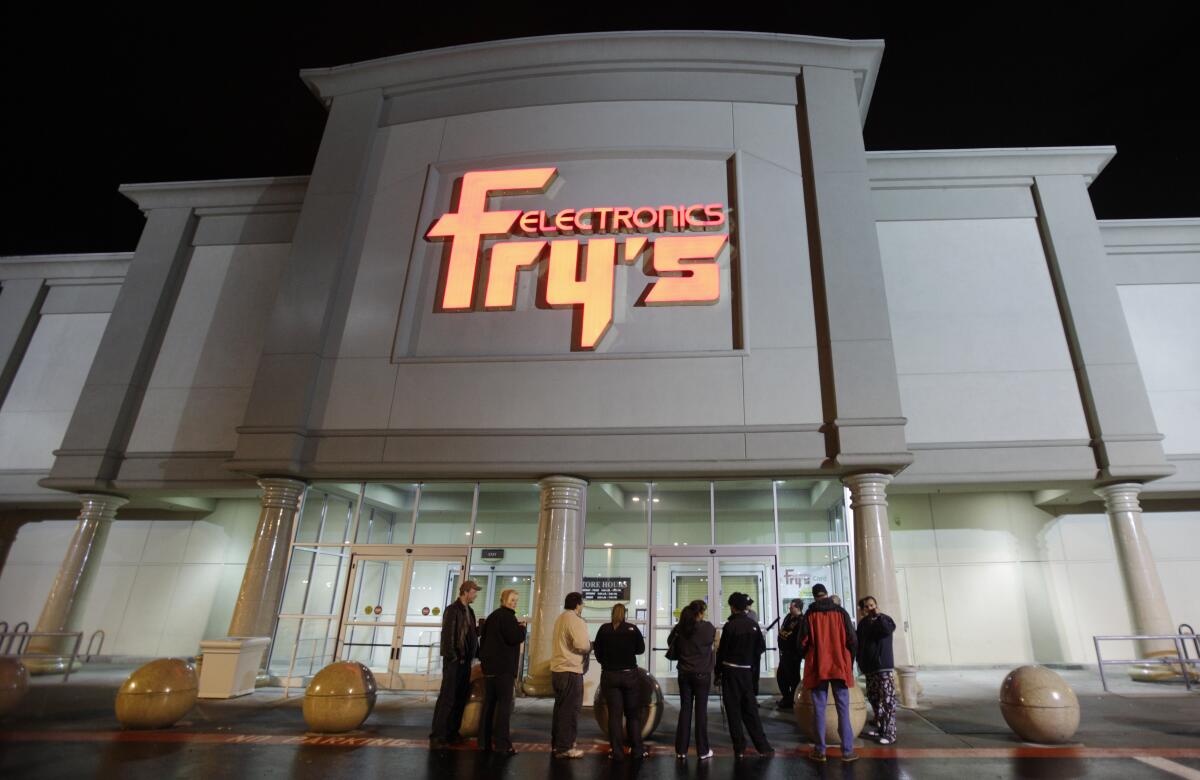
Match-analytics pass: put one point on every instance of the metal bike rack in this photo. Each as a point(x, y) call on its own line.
point(88, 656)
point(1181, 660)
point(25, 636)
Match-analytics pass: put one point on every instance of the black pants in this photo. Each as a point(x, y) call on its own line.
point(451, 700)
point(568, 698)
point(741, 708)
point(497, 712)
point(693, 692)
point(623, 693)
point(788, 676)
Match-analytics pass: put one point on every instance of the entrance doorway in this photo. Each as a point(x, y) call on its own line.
point(392, 617)
point(679, 580)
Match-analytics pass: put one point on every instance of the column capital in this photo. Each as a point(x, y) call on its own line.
point(99, 506)
point(1121, 497)
point(281, 492)
point(562, 492)
point(867, 489)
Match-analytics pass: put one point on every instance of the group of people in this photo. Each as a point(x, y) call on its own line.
point(821, 640)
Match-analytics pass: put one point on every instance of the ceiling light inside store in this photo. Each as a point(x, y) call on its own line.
point(608, 544)
point(656, 500)
point(637, 498)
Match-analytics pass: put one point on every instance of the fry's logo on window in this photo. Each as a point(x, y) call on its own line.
point(685, 264)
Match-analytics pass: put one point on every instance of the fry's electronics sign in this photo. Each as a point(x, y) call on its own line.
point(685, 264)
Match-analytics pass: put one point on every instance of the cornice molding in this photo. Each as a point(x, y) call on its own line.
point(975, 167)
point(98, 265)
point(521, 58)
point(258, 192)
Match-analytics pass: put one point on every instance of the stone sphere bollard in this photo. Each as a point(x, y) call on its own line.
point(14, 682)
point(1038, 705)
point(339, 698)
point(474, 709)
point(651, 699)
point(157, 694)
point(806, 714)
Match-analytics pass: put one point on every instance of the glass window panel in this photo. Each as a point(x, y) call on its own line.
point(310, 517)
point(296, 588)
point(444, 513)
point(507, 514)
point(339, 511)
point(376, 584)
point(386, 515)
point(369, 645)
point(756, 578)
point(315, 647)
point(286, 631)
point(745, 512)
point(612, 562)
point(681, 513)
point(420, 652)
point(327, 583)
point(806, 510)
point(803, 567)
point(433, 586)
point(617, 513)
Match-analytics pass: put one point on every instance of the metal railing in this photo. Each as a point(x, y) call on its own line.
point(18, 631)
point(23, 651)
point(99, 632)
point(1182, 661)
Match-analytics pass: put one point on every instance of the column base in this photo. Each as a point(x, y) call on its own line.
point(1162, 672)
point(908, 687)
point(40, 666)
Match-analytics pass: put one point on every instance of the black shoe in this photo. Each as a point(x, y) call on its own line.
point(455, 739)
point(767, 753)
point(739, 756)
point(510, 752)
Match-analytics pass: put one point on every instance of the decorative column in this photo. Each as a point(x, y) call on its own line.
point(1143, 591)
point(875, 568)
point(262, 584)
point(558, 572)
point(8, 535)
point(74, 579)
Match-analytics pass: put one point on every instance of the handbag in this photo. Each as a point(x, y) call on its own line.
point(672, 650)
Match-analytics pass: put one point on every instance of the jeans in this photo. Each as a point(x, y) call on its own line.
point(451, 700)
point(568, 698)
point(841, 701)
point(497, 711)
point(693, 692)
point(622, 692)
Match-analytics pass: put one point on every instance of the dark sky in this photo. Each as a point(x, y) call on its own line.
point(181, 91)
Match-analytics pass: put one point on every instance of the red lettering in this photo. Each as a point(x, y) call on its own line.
point(590, 296)
point(543, 227)
point(508, 257)
point(622, 217)
point(645, 218)
point(601, 221)
point(580, 225)
point(564, 221)
point(715, 213)
point(528, 222)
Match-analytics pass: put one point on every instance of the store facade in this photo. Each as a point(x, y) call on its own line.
point(633, 313)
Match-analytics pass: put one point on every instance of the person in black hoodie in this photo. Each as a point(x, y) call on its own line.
point(617, 646)
point(788, 674)
point(499, 654)
point(690, 643)
point(875, 660)
point(738, 656)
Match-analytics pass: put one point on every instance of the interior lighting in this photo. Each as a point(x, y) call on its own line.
point(656, 500)
point(608, 544)
point(637, 498)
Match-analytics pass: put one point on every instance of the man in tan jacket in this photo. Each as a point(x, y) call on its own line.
point(571, 649)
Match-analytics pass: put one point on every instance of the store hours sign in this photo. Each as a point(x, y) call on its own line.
point(605, 588)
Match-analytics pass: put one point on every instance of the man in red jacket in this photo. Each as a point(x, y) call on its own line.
point(828, 642)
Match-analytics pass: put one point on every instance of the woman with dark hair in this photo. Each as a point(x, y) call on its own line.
point(617, 646)
point(691, 645)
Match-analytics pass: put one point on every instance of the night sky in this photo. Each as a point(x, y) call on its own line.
point(184, 91)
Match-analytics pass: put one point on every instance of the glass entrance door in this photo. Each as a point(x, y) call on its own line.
point(680, 580)
point(393, 616)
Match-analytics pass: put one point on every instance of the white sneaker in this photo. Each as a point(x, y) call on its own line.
point(709, 754)
point(885, 741)
point(572, 753)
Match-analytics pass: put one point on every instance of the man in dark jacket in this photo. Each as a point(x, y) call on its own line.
point(875, 660)
point(460, 641)
point(500, 654)
point(738, 657)
point(828, 642)
point(789, 654)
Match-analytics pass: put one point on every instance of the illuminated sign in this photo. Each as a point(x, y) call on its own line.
point(686, 264)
